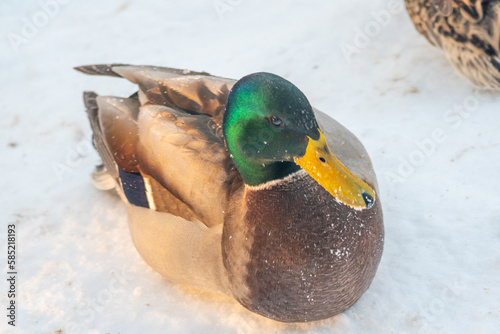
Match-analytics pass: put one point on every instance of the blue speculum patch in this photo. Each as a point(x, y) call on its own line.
point(134, 188)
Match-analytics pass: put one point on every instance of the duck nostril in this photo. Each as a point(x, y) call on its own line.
point(322, 159)
point(368, 200)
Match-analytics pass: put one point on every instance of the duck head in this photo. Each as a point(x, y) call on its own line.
point(271, 132)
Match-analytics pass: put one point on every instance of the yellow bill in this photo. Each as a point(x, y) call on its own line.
point(331, 174)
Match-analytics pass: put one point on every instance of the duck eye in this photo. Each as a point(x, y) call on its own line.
point(276, 121)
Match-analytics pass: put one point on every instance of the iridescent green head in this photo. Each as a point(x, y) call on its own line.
point(266, 124)
point(271, 131)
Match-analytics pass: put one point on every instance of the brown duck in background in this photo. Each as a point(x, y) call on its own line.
point(469, 33)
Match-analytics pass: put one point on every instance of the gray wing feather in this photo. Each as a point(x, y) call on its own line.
point(181, 152)
point(89, 99)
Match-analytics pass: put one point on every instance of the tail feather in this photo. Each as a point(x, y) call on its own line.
point(103, 180)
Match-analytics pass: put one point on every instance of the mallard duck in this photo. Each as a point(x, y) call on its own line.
point(469, 33)
point(232, 188)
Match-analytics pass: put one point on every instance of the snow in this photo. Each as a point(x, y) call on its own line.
point(433, 138)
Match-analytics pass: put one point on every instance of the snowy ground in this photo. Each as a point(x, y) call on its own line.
point(433, 138)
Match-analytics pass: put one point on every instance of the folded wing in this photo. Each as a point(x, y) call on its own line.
point(164, 145)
